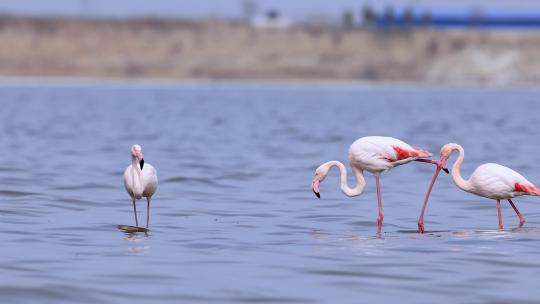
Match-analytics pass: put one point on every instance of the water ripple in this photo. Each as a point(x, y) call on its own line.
point(234, 219)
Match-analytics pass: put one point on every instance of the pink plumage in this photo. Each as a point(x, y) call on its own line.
point(490, 180)
point(499, 182)
point(375, 154)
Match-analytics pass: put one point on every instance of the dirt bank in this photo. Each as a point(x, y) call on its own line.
point(223, 50)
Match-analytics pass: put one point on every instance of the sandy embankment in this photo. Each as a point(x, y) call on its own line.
point(219, 50)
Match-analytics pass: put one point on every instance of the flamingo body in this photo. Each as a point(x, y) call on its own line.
point(148, 180)
point(377, 154)
point(495, 181)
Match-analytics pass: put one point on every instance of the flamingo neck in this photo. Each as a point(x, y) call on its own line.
point(456, 170)
point(360, 181)
point(136, 178)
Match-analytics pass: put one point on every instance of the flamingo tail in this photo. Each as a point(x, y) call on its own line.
point(529, 189)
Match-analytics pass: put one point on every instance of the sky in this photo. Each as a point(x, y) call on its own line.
point(294, 9)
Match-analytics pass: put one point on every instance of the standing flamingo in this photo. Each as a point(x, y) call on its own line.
point(375, 154)
point(140, 182)
point(488, 180)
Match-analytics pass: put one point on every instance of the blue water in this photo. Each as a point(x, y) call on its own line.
point(234, 219)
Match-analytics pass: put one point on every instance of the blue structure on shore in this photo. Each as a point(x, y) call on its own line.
point(447, 20)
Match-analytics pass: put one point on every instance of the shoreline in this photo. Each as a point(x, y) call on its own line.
point(81, 82)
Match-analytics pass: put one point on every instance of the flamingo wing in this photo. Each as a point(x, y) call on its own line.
point(127, 181)
point(379, 153)
point(149, 179)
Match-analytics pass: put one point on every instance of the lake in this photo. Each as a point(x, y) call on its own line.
point(234, 219)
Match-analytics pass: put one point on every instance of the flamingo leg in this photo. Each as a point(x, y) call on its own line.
point(521, 218)
point(379, 201)
point(500, 214)
point(135, 212)
point(147, 211)
point(421, 218)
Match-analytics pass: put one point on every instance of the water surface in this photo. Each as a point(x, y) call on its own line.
point(234, 219)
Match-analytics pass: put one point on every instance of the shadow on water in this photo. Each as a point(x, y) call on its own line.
point(132, 229)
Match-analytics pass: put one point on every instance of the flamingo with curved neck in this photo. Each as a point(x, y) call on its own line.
point(489, 180)
point(374, 154)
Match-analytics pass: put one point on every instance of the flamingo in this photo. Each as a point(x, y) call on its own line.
point(140, 180)
point(489, 180)
point(375, 154)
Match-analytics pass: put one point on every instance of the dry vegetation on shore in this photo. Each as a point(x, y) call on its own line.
point(221, 50)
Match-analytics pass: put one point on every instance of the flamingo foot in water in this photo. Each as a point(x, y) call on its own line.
point(421, 228)
point(379, 223)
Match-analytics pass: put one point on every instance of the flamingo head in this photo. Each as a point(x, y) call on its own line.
point(318, 177)
point(446, 151)
point(136, 153)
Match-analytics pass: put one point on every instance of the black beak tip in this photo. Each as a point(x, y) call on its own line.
point(446, 170)
point(317, 194)
point(141, 162)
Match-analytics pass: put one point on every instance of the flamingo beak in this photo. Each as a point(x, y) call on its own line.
point(444, 167)
point(140, 157)
point(315, 186)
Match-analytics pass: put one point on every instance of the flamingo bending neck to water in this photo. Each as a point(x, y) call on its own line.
point(140, 180)
point(488, 180)
point(374, 154)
